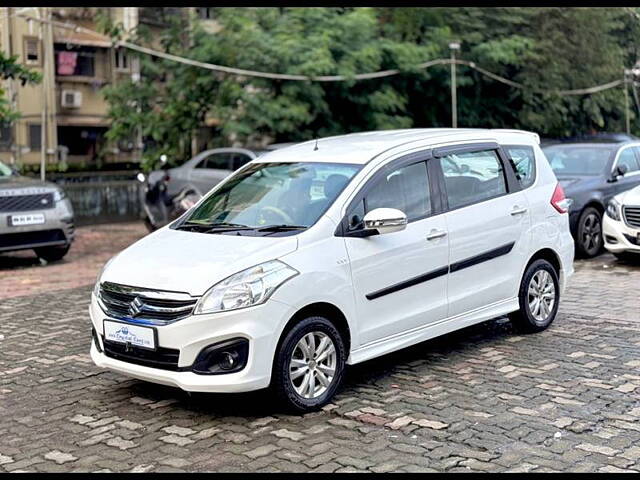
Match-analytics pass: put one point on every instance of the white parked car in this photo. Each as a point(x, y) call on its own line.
point(621, 225)
point(334, 252)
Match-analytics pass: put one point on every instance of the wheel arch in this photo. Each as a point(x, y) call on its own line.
point(550, 256)
point(324, 309)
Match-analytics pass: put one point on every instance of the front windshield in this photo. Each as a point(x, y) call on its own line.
point(5, 171)
point(574, 160)
point(263, 194)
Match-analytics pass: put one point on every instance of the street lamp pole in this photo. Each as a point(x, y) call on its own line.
point(453, 46)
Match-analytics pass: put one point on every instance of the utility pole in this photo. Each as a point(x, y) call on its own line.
point(626, 100)
point(43, 120)
point(453, 46)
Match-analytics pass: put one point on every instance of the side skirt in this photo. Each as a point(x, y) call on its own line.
point(427, 332)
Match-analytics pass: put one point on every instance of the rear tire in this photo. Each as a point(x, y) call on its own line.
point(52, 254)
point(302, 377)
point(539, 297)
point(589, 239)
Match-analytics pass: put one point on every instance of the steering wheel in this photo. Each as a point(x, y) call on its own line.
point(280, 213)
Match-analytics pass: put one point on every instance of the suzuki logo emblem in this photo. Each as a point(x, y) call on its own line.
point(135, 308)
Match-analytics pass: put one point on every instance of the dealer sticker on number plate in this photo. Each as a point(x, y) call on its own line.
point(134, 335)
point(30, 219)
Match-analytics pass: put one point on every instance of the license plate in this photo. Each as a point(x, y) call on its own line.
point(27, 219)
point(134, 335)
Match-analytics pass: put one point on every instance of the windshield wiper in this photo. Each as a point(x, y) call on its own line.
point(213, 227)
point(281, 228)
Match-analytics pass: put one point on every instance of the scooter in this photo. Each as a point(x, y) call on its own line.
point(160, 208)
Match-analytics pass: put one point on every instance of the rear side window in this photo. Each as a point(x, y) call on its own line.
point(524, 162)
point(473, 177)
point(217, 160)
point(238, 160)
point(406, 189)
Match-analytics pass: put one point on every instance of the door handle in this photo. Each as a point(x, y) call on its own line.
point(518, 211)
point(434, 234)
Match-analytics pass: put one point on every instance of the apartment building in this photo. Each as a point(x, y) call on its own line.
point(64, 119)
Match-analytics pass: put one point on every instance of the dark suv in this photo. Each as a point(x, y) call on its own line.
point(591, 173)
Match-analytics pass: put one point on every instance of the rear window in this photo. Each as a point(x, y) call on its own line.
point(524, 161)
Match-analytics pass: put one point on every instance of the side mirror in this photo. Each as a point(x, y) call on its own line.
point(385, 220)
point(620, 171)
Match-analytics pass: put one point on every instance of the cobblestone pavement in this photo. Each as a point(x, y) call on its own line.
point(22, 273)
point(482, 399)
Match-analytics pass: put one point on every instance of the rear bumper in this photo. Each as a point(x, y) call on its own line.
point(57, 229)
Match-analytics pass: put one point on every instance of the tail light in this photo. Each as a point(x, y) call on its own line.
point(559, 201)
point(167, 177)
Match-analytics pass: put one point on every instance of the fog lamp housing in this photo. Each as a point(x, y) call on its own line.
point(220, 358)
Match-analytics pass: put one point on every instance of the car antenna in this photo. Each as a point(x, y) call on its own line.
point(316, 147)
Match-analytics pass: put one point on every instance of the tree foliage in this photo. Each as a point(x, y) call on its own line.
point(10, 69)
point(545, 49)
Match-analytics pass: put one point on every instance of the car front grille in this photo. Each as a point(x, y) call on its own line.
point(25, 203)
point(632, 216)
point(163, 358)
point(156, 307)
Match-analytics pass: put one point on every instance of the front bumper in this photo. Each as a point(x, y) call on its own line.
point(619, 237)
point(57, 229)
point(261, 325)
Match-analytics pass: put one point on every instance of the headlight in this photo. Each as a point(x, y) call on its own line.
point(247, 288)
point(59, 195)
point(613, 210)
point(96, 287)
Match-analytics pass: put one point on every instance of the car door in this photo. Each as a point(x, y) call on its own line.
point(210, 171)
point(488, 223)
point(400, 278)
point(629, 157)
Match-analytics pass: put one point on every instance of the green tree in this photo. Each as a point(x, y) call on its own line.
point(174, 99)
point(10, 69)
point(544, 49)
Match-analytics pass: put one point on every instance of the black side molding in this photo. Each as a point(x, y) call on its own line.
point(483, 257)
point(408, 283)
point(454, 267)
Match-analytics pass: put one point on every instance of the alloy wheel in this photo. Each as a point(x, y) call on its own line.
point(541, 295)
point(313, 363)
point(591, 233)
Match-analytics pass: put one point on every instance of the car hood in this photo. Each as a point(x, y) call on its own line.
point(18, 182)
point(191, 262)
point(630, 197)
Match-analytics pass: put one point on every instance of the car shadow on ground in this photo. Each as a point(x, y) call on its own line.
point(22, 260)
point(262, 402)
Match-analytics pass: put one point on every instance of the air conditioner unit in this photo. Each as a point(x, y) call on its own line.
point(71, 98)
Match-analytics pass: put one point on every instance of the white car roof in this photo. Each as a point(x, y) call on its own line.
point(361, 147)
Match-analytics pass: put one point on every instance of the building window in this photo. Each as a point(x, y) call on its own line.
point(205, 13)
point(6, 136)
point(122, 60)
point(78, 61)
point(35, 136)
point(32, 53)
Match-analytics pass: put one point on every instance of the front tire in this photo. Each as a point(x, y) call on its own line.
point(309, 365)
point(539, 297)
point(52, 254)
point(589, 241)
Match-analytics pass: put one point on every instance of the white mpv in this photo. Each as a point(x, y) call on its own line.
point(333, 252)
